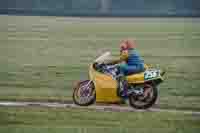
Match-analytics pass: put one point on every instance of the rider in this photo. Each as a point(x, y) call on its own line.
point(130, 63)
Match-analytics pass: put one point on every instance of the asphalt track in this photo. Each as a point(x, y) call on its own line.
point(96, 107)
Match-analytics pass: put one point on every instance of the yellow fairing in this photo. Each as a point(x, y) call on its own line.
point(105, 86)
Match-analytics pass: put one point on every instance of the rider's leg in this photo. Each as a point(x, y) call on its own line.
point(121, 79)
point(131, 69)
point(125, 69)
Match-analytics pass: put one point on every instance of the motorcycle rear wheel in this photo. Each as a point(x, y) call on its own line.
point(148, 102)
point(82, 89)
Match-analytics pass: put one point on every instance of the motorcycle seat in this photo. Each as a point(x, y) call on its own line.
point(138, 77)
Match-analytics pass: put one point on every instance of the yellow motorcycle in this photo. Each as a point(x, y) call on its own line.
point(142, 91)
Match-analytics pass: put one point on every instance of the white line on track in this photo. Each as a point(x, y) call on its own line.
point(112, 108)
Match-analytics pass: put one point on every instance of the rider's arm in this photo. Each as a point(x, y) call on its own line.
point(123, 57)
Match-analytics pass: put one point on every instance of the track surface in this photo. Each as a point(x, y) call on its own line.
point(113, 108)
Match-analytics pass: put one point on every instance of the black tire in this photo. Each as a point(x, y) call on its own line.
point(149, 104)
point(75, 93)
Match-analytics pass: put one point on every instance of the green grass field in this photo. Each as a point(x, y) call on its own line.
point(42, 57)
point(44, 120)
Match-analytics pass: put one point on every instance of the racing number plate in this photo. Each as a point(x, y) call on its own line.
point(150, 74)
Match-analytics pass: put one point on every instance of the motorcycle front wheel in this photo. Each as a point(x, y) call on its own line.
point(146, 100)
point(84, 93)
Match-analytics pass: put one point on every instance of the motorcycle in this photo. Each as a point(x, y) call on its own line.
point(102, 86)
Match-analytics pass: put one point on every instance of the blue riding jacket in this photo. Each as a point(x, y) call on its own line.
point(134, 63)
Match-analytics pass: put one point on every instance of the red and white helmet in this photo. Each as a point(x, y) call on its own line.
point(127, 45)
